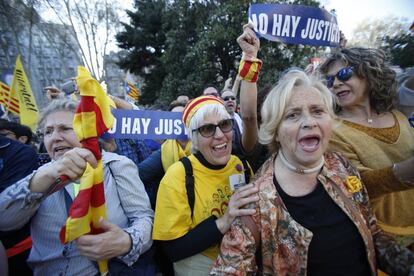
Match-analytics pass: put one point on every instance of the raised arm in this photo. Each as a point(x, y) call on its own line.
point(250, 45)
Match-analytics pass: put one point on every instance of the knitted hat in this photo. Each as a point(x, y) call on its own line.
point(195, 104)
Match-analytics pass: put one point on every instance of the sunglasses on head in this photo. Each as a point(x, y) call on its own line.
point(343, 75)
point(229, 98)
point(209, 130)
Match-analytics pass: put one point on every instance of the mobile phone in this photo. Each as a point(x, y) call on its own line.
point(69, 87)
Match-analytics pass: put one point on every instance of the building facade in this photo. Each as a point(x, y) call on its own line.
point(115, 77)
point(49, 52)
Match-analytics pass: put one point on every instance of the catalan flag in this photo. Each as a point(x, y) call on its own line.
point(10, 104)
point(93, 118)
point(131, 91)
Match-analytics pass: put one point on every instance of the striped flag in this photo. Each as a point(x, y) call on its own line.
point(132, 91)
point(10, 104)
point(93, 118)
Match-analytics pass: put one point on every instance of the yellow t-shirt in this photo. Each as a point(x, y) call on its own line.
point(212, 192)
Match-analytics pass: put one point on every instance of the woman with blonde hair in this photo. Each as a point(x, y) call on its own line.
point(313, 215)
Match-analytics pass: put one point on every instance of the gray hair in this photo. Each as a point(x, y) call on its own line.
point(56, 106)
point(213, 109)
point(276, 101)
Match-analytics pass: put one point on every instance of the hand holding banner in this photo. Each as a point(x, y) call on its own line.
point(295, 24)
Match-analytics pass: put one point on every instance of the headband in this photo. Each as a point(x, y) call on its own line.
point(195, 104)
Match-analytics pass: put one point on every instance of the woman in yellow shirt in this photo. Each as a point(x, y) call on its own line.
point(374, 136)
point(191, 237)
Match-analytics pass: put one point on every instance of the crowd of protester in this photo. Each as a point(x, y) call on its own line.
point(318, 181)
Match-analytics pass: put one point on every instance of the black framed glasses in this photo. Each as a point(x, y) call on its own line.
point(343, 75)
point(231, 98)
point(208, 130)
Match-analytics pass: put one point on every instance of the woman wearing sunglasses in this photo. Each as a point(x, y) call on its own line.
point(190, 236)
point(374, 135)
point(313, 216)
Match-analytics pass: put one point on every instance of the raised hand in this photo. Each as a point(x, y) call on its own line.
point(53, 93)
point(248, 41)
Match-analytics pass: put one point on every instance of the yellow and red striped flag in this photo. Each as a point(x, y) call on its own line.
point(11, 104)
point(93, 118)
point(132, 91)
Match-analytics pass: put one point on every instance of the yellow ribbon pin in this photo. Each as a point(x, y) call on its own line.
point(353, 184)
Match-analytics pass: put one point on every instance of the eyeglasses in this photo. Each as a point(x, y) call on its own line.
point(209, 130)
point(343, 75)
point(229, 98)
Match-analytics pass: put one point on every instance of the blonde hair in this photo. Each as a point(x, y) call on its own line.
point(276, 101)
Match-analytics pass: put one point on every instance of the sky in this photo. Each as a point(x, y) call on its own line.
point(351, 12)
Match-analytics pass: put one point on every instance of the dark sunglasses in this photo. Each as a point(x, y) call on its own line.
point(411, 120)
point(209, 130)
point(343, 75)
point(229, 98)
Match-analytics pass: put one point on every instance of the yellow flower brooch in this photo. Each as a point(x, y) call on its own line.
point(353, 184)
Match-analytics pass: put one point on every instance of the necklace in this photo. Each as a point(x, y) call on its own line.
point(300, 170)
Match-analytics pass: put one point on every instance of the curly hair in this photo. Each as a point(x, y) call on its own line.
point(369, 64)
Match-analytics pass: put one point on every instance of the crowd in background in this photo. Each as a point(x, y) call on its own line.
point(331, 179)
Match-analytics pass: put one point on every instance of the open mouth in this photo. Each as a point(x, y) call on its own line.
point(342, 94)
point(220, 147)
point(61, 149)
point(310, 143)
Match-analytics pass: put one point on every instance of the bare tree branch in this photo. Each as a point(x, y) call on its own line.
point(92, 22)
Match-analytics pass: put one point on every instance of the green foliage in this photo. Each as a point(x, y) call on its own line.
point(180, 46)
point(400, 49)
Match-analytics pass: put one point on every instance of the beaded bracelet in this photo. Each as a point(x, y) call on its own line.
point(249, 69)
